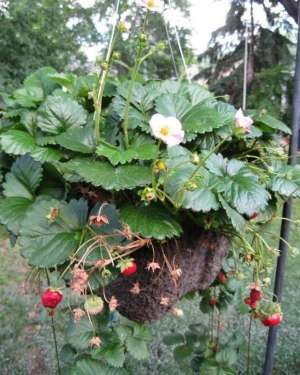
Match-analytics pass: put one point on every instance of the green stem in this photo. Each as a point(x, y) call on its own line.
point(98, 99)
point(249, 346)
point(99, 96)
point(138, 61)
point(54, 331)
point(129, 96)
point(55, 345)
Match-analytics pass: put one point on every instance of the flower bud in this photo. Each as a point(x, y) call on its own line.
point(116, 55)
point(122, 27)
point(160, 166)
point(195, 158)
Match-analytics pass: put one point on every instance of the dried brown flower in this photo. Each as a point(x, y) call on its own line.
point(113, 304)
point(95, 342)
point(78, 314)
point(152, 266)
point(79, 280)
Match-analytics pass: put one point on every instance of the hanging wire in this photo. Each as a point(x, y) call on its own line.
point(179, 46)
point(171, 49)
point(109, 52)
point(245, 79)
point(248, 12)
point(115, 21)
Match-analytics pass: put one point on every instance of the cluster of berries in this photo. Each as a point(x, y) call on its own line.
point(270, 315)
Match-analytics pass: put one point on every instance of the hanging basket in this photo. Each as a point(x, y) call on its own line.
point(186, 265)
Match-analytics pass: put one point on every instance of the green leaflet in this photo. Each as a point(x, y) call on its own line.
point(286, 182)
point(110, 178)
point(56, 115)
point(152, 221)
point(13, 211)
point(47, 243)
point(202, 119)
point(87, 366)
point(113, 353)
point(201, 198)
point(143, 151)
point(24, 178)
point(19, 187)
point(172, 105)
point(269, 123)
point(18, 142)
point(81, 139)
point(239, 186)
point(237, 220)
point(29, 96)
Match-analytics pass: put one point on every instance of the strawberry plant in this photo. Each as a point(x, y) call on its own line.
point(128, 194)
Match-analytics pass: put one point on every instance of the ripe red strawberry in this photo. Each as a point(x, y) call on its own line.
point(272, 320)
point(51, 298)
point(213, 301)
point(248, 301)
point(130, 269)
point(255, 295)
point(222, 278)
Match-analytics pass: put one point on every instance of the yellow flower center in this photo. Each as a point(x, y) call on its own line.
point(151, 3)
point(165, 131)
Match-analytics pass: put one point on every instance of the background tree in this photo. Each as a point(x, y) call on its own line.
point(160, 65)
point(270, 61)
point(35, 33)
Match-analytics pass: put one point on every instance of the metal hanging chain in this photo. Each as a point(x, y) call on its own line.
point(171, 49)
point(180, 47)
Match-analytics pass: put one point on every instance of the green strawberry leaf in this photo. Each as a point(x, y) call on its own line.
point(79, 334)
point(56, 115)
point(202, 119)
point(18, 142)
point(113, 353)
point(237, 220)
point(23, 179)
point(13, 211)
point(240, 187)
point(105, 175)
point(143, 151)
point(47, 242)
point(182, 353)
point(172, 105)
point(286, 180)
point(29, 96)
point(269, 123)
point(81, 139)
point(89, 366)
point(151, 221)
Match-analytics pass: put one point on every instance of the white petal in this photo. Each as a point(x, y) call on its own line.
point(174, 124)
point(175, 139)
point(239, 114)
point(156, 123)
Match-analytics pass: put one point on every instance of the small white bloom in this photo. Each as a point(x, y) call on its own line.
point(243, 122)
point(168, 129)
point(152, 5)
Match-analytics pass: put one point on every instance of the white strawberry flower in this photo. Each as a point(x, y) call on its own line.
point(168, 129)
point(243, 122)
point(152, 5)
